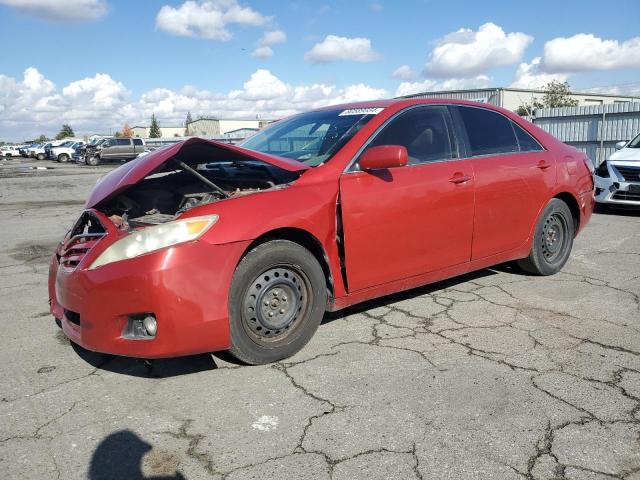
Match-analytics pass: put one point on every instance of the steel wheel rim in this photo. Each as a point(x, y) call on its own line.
point(554, 237)
point(275, 302)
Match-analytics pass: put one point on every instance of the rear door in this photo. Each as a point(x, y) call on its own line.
point(406, 221)
point(514, 176)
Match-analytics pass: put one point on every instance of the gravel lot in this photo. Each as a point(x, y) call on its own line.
point(495, 375)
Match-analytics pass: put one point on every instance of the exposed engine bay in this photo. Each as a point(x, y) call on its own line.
point(184, 183)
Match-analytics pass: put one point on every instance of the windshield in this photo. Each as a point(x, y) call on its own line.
point(311, 138)
point(635, 143)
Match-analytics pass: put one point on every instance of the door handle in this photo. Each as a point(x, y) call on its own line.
point(542, 165)
point(459, 178)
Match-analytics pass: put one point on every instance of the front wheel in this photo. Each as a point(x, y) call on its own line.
point(276, 302)
point(92, 161)
point(552, 240)
point(40, 156)
point(63, 158)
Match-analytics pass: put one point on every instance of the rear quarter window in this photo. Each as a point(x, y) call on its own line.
point(526, 142)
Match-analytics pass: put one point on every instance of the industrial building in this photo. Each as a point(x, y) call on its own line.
point(143, 132)
point(512, 98)
point(215, 127)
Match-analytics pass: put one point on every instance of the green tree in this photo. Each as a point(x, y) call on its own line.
point(154, 130)
point(42, 138)
point(118, 134)
point(558, 94)
point(527, 109)
point(65, 131)
point(187, 121)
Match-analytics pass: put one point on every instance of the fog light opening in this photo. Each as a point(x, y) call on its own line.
point(141, 326)
point(150, 325)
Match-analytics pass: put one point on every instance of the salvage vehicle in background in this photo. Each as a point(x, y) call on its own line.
point(90, 149)
point(203, 246)
point(65, 151)
point(618, 178)
point(9, 151)
point(115, 149)
point(36, 151)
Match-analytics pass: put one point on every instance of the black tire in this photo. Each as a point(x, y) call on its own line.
point(552, 240)
point(276, 274)
point(63, 158)
point(40, 156)
point(92, 161)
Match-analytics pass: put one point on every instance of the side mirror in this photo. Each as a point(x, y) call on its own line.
point(620, 145)
point(384, 156)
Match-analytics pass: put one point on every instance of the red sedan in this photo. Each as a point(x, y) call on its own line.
point(204, 246)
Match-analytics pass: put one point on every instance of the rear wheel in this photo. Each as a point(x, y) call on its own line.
point(276, 303)
point(552, 240)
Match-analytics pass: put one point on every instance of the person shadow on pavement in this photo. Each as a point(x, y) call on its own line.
point(119, 456)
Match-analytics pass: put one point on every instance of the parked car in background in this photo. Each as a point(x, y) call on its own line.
point(36, 151)
point(9, 151)
point(65, 151)
point(203, 246)
point(56, 143)
point(618, 178)
point(115, 149)
point(24, 150)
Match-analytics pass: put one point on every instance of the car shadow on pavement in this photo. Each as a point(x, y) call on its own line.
point(120, 456)
point(138, 367)
point(509, 267)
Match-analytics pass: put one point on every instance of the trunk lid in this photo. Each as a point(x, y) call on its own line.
point(192, 151)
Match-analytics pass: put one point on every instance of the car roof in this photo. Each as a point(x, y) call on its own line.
point(406, 102)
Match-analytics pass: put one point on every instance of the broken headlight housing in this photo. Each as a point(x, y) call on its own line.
point(602, 170)
point(141, 242)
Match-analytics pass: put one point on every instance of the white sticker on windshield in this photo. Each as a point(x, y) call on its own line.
point(360, 111)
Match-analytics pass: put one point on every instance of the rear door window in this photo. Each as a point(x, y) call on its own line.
point(137, 141)
point(424, 131)
point(489, 133)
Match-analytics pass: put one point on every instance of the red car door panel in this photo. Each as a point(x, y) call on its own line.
point(406, 221)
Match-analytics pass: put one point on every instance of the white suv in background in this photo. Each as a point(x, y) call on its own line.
point(63, 152)
point(618, 179)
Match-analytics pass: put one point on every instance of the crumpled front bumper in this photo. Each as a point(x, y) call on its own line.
point(186, 287)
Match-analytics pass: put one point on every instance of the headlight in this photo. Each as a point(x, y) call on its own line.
point(154, 238)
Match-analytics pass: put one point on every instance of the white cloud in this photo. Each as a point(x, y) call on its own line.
point(586, 52)
point(334, 49)
point(408, 88)
point(207, 18)
point(60, 10)
point(34, 105)
point(530, 75)
point(466, 53)
point(404, 72)
point(263, 49)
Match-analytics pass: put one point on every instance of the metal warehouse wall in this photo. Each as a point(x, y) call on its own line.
point(592, 129)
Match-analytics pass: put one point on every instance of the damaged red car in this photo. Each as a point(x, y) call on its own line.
point(204, 246)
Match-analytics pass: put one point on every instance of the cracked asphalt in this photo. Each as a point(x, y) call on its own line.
point(494, 375)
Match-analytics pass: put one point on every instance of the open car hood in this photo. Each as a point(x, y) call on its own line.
point(192, 152)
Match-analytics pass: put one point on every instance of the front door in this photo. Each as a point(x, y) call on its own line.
point(409, 220)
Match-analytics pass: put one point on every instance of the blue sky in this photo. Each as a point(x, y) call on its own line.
point(126, 42)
